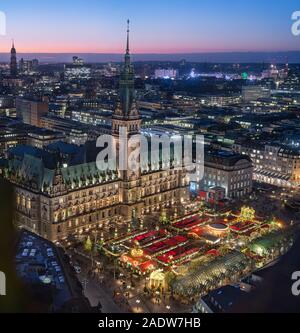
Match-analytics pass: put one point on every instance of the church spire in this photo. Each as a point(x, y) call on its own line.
point(13, 45)
point(13, 61)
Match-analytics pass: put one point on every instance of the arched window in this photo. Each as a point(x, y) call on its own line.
point(18, 199)
point(23, 201)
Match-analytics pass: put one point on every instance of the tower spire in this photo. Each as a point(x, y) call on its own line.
point(13, 61)
point(126, 102)
point(128, 31)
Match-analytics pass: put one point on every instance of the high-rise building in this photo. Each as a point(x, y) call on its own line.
point(78, 61)
point(28, 66)
point(31, 110)
point(13, 61)
point(77, 70)
point(74, 72)
point(35, 64)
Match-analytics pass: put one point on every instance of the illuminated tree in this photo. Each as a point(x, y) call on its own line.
point(88, 246)
point(100, 245)
point(164, 219)
point(247, 213)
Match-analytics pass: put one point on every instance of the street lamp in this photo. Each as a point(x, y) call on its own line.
point(138, 304)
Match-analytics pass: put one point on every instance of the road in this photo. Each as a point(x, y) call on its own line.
point(95, 293)
point(94, 290)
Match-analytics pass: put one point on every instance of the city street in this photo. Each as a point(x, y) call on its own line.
point(95, 289)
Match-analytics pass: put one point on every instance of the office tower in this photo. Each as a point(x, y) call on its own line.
point(31, 110)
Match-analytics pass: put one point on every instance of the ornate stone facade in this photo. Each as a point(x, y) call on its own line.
point(56, 198)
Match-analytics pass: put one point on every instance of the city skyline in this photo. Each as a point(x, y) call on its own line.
point(185, 27)
point(150, 182)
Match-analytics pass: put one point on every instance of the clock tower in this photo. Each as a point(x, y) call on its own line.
point(126, 125)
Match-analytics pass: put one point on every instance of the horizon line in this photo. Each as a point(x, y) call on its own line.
point(152, 53)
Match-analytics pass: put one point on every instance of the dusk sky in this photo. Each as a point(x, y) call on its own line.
point(158, 26)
